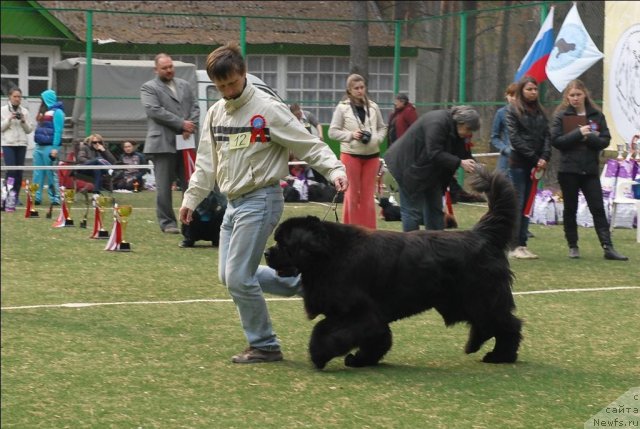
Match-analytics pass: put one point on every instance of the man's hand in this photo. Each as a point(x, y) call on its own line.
point(186, 215)
point(341, 183)
point(468, 165)
point(188, 126)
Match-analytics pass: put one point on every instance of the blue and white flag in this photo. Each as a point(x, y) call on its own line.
point(573, 52)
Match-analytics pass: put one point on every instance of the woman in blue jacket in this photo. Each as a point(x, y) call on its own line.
point(48, 139)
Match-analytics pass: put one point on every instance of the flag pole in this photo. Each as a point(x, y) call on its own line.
point(542, 86)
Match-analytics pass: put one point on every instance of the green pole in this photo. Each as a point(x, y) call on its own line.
point(243, 36)
point(463, 58)
point(544, 11)
point(462, 90)
point(89, 74)
point(396, 59)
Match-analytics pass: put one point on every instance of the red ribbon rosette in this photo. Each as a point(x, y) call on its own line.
point(258, 124)
point(536, 175)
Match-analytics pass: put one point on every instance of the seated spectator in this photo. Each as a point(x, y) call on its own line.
point(93, 152)
point(131, 178)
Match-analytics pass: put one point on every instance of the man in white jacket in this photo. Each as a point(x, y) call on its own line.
point(16, 124)
point(244, 150)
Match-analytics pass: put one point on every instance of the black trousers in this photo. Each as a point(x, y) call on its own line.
point(570, 184)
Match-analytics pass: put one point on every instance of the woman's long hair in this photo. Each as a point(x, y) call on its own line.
point(580, 86)
point(353, 78)
point(520, 104)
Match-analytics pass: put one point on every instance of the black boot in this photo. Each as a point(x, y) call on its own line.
point(611, 254)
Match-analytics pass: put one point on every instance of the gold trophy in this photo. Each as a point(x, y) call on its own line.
point(123, 213)
point(69, 198)
point(103, 202)
point(32, 188)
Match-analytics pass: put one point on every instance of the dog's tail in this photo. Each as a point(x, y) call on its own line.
point(499, 222)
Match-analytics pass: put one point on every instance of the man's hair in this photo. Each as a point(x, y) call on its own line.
point(466, 115)
point(295, 107)
point(225, 61)
point(402, 97)
point(160, 55)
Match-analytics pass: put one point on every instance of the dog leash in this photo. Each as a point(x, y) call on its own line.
point(333, 206)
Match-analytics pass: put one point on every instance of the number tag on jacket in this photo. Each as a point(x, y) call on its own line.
point(239, 141)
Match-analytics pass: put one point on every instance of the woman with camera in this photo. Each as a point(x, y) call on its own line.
point(358, 125)
point(16, 124)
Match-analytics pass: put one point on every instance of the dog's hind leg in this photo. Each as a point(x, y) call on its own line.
point(507, 333)
point(371, 349)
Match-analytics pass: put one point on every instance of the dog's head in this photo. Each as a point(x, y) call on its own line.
point(300, 243)
point(384, 202)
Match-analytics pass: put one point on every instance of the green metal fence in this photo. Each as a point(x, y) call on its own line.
point(440, 53)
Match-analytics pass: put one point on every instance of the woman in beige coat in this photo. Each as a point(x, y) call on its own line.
point(358, 125)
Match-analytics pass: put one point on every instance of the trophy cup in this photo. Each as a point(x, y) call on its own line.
point(102, 203)
point(69, 199)
point(31, 190)
point(123, 213)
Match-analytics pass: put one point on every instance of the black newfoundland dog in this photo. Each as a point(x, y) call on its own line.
point(361, 280)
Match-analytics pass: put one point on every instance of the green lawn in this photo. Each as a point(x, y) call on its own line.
point(160, 358)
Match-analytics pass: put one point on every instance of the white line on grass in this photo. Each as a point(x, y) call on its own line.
point(190, 301)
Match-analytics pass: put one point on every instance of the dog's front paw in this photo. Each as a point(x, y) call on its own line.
point(493, 357)
point(357, 361)
point(319, 363)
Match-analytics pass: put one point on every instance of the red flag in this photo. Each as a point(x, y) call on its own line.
point(97, 224)
point(189, 160)
point(116, 236)
point(64, 214)
point(536, 175)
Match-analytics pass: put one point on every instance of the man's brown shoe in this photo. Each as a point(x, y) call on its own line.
point(254, 355)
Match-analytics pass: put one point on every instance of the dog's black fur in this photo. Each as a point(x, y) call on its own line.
point(361, 280)
point(207, 218)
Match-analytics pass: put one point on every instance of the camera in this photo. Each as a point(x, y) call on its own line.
point(18, 116)
point(366, 137)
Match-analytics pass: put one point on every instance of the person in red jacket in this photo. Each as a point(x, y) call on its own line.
point(401, 118)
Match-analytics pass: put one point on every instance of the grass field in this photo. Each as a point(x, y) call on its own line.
point(154, 351)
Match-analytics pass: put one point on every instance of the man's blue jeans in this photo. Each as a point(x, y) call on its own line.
point(97, 174)
point(248, 222)
point(422, 208)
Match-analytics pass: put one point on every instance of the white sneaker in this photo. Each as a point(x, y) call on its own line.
point(521, 252)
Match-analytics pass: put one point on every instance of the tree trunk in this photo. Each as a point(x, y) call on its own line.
point(359, 58)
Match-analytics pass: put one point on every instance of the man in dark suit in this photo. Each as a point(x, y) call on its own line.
point(172, 111)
